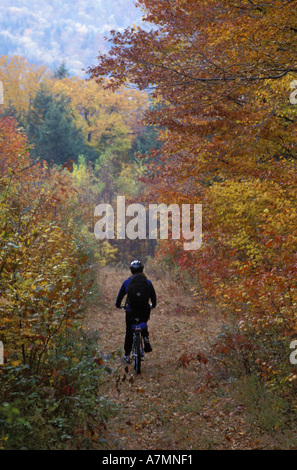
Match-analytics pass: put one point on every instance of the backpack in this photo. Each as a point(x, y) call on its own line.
point(138, 293)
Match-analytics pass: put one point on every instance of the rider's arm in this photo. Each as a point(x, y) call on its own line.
point(121, 295)
point(153, 295)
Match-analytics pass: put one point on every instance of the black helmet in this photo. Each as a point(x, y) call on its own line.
point(136, 266)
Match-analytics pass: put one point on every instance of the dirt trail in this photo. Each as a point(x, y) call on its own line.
point(162, 408)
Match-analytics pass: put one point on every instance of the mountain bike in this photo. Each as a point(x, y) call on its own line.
point(137, 345)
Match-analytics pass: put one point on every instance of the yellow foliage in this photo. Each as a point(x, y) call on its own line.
point(103, 113)
point(106, 253)
point(21, 81)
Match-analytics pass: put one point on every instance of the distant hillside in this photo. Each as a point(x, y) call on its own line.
point(50, 32)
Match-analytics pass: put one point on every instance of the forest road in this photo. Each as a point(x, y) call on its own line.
point(169, 406)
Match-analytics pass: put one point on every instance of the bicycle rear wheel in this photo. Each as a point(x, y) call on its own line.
point(137, 355)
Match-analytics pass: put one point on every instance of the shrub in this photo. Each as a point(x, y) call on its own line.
point(61, 407)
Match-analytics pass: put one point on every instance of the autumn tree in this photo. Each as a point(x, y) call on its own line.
point(204, 94)
point(108, 120)
point(21, 80)
point(41, 261)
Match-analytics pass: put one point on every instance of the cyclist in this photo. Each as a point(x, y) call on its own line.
point(135, 310)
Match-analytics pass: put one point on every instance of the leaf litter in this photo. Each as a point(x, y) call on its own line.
point(176, 403)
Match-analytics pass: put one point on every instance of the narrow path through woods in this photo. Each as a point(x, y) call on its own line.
point(162, 408)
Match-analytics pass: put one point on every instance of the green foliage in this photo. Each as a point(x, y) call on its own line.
point(53, 131)
point(62, 405)
point(61, 71)
point(266, 410)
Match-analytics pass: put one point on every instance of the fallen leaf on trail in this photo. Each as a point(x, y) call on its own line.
point(185, 359)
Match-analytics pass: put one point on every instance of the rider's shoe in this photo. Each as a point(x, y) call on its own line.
point(126, 359)
point(147, 345)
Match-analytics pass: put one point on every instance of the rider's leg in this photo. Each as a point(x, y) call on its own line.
point(144, 332)
point(128, 338)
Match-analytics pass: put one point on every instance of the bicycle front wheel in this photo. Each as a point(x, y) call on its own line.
point(137, 355)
